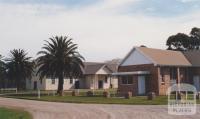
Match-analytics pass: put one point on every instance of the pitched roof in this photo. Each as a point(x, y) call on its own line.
point(165, 57)
point(113, 67)
point(193, 57)
point(93, 67)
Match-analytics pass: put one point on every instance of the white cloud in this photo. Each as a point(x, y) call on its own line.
point(100, 34)
point(185, 1)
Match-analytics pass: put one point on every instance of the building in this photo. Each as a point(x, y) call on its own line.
point(146, 70)
point(96, 76)
point(99, 76)
point(49, 83)
point(194, 71)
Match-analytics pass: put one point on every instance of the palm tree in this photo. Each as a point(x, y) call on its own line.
point(2, 72)
point(60, 59)
point(19, 68)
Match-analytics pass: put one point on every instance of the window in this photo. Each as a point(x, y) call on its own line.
point(106, 79)
point(130, 80)
point(162, 75)
point(173, 73)
point(127, 79)
point(53, 81)
point(29, 81)
point(71, 81)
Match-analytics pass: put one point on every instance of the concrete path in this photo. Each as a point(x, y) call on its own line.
point(51, 110)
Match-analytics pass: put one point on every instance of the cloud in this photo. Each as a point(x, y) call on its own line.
point(101, 32)
point(58, 2)
point(163, 8)
point(185, 1)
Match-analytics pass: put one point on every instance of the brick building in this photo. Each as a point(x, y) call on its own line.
point(146, 70)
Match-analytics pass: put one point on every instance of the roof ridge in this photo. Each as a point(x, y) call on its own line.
point(159, 49)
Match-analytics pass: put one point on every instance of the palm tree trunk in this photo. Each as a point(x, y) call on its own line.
point(60, 85)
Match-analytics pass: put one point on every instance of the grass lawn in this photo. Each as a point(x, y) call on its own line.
point(97, 99)
point(13, 114)
point(139, 100)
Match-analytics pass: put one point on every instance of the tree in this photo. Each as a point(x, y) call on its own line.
point(19, 68)
point(184, 42)
point(195, 32)
point(60, 59)
point(179, 41)
point(195, 36)
point(2, 72)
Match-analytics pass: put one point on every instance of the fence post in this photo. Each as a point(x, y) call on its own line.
point(53, 93)
point(38, 93)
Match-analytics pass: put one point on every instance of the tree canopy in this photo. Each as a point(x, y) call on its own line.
point(184, 42)
point(59, 59)
point(19, 68)
point(2, 72)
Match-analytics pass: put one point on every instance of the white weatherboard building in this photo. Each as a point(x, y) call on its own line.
point(96, 76)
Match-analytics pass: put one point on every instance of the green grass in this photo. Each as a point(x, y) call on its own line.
point(97, 99)
point(138, 100)
point(13, 114)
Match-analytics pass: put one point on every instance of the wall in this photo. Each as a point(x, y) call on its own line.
point(30, 83)
point(163, 86)
point(91, 82)
point(46, 84)
point(136, 58)
point(88, 82)
point(114, 81)
point(124, 88)
point(66, 85)
point(151, 80)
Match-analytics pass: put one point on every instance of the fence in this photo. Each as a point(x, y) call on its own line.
point(3, 90)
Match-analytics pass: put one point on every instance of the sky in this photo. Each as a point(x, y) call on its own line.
point(103, 29)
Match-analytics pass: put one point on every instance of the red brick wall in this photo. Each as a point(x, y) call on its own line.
point(151, 80)
point(163, 86)
point(128, 87)
point(154, 80)
point(166, 72)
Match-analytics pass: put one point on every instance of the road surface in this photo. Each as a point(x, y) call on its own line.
point(53, 110)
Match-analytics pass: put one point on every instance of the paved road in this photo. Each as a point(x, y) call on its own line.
point(51, 110)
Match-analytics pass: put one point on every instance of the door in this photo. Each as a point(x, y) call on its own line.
point(141, 85)
point(35, 85)
point(196, 82)
point(77, 84)
point(100, 84)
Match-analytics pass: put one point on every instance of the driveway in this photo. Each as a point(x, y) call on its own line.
point(52, 110)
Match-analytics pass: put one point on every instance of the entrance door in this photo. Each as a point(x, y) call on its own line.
point(100, 84)
point(35, 85)
point(141, 85)
point(77, 85)
point(196, 82)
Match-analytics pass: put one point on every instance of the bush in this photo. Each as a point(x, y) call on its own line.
point(90, 94)
point(151, 96)
point(106, 94)
point(128, 95)
point(75, 93)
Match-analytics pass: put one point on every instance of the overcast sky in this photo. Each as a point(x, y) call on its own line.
point(103, 29)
